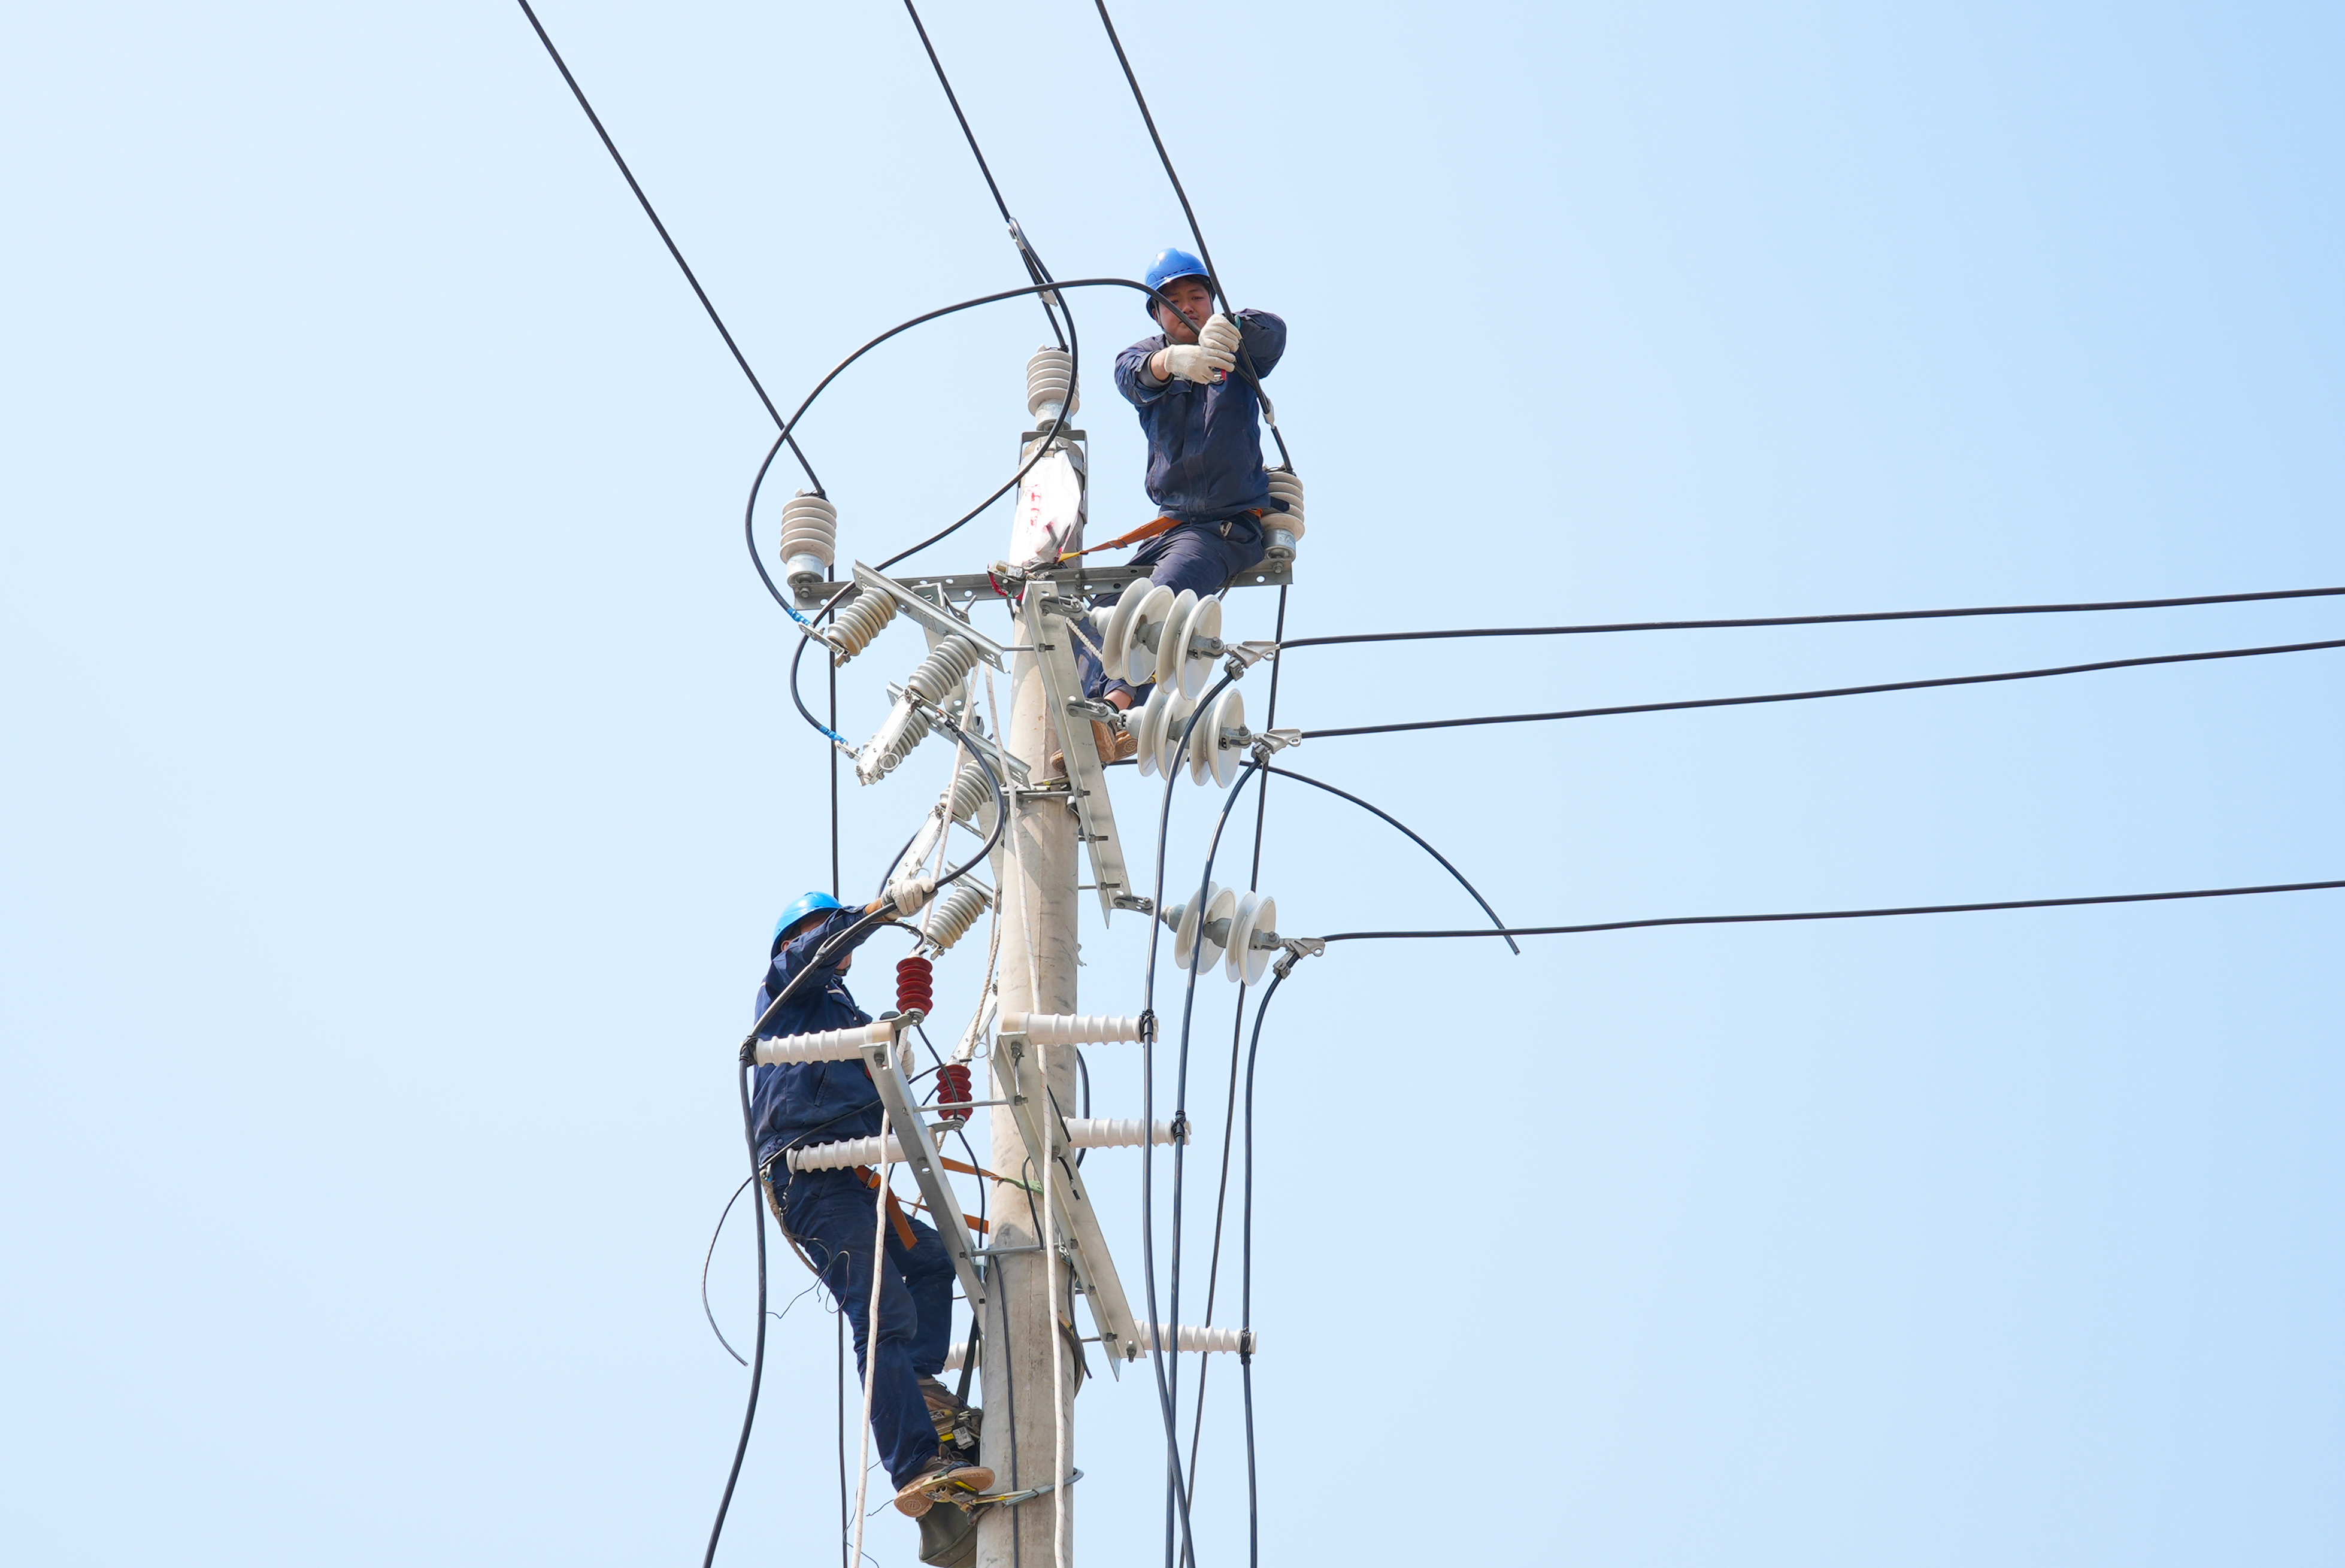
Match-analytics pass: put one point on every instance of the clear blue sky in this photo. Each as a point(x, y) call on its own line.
point(401, 782)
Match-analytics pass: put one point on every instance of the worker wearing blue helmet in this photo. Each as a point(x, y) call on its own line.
point(830, 1215)
point(1202, 419)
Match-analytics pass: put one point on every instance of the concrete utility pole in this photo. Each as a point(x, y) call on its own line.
point(1037, 974)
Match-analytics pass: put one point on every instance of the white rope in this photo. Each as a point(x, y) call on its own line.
point(871, 1334)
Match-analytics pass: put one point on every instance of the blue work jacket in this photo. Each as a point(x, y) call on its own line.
point(811, 1102)
point(1204, 444)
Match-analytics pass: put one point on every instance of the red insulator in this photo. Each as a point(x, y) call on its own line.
point(916, 984)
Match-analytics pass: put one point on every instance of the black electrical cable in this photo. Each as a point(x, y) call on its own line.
point(1074, 352)
point(1845, 914)
point(1471, 890)
point(1245, 1278)
point(613, 147)
point(1808, 619)
point(1148, 1112)
point(1831, 692)
point(1033, 263)
point(757, 1353)
point(1204, 251)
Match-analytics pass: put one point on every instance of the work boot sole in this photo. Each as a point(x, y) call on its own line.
point(962, 1481)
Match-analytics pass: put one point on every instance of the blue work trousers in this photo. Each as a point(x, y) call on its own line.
point(829, 1214)
point(1195, 556)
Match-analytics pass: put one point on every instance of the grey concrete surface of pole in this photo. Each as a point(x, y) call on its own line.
point(1037, 974)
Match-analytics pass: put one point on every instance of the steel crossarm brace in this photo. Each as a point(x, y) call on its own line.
point(1080, 582)
point(1087, 1252)
point(937, 621)
point(904, 1120)
point(1055, 652)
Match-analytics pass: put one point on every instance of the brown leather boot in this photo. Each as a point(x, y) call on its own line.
point(1114, 746)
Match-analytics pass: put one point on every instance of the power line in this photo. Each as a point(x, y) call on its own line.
point(1204, 251)
point(1831, 691)
point(1807, 620)
point(1840, 914)
point(738, 357)
point(1026, 254)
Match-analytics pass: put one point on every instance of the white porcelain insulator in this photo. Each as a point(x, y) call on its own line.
point(1283, 530)
point(1190, 1336)
point(844, 1153)
point(809, 539)
point(829, 1046)
point(972, 791)
point(1070, 1028)
point(1049, 376)
point(946, 667)
point(1117, 1132)
point(955, 913)
point(861, 621)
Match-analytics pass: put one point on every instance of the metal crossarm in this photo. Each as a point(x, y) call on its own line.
point(1055, 652)
point(1043, 1132)
point(884, 1061)
point(937, 621)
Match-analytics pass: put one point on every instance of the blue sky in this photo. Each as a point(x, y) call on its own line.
point(403, 781)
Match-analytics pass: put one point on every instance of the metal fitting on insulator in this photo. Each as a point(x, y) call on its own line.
point(855, 625)
point(809, 539)
point(915, 986)
point(947, 665)
point(1049, 376)
point(1282, 529)
point(955, 913)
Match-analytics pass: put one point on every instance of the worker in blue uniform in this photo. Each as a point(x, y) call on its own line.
point(831, 1215)
point(1202, 419)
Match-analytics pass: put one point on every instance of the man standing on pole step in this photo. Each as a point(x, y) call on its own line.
point(830, 1215)
point(1202, 419)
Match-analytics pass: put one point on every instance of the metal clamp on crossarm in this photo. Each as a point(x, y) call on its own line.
point(1245, 656)
point(1016, 1070)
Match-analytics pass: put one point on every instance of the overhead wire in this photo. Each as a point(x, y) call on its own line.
point(669, 241)
point(1743, 622)
point(1828, 692)
point(1204, 251)
point(1839, 913)
point(1034, 262)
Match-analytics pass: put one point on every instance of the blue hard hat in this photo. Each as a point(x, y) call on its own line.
point(1171, 264)
point(802, 908)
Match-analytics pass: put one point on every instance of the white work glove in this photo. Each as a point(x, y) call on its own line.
point(1195, 362)
point(1220, 334)
point(909, 894)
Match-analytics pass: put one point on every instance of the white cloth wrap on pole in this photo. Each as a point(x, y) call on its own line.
point(1069, 1028)
point(1190, 1336)
point(829, 1046)
point(1082, 1132)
